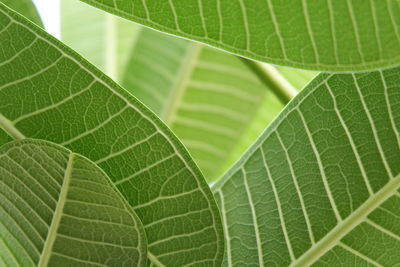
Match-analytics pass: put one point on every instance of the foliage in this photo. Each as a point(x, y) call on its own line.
point(110, 173)
point(321, 183)
point(69, 102)
point(66, 210)
point(332, 35)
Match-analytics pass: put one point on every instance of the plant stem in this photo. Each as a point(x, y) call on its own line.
point(272, 79)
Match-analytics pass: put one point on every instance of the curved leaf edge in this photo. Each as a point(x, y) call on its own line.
point(139, 225)
point(339, 231)
point(252, 56)
point(308, 89)
point(133, 102)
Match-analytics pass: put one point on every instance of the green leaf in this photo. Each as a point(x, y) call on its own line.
point(57, 96)
point(321, 185)
point(59, 208)
point(332, 35)
point(26, 8)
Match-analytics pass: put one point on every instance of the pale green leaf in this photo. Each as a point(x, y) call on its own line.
point(321, 185)
point(49, 92)
point(298, 78)
point(104, 39)
point(26, 8)
point(60, 209)
point(212, 100)
point(331, 35)
point(208, 98)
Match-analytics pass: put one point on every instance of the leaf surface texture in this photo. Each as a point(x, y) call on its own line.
point(321, 185)
point(58, 96)
point(330, 35)
point(59, 208)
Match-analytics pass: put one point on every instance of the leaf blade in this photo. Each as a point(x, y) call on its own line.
point(330, 161)
point(56, 176)
point(264, 31)
point(82, 106)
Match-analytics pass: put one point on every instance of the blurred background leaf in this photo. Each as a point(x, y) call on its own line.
point(211, 100)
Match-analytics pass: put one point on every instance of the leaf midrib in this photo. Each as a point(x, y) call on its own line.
point(345, 226)
point(52, 233)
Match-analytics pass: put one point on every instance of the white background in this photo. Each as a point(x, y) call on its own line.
point(50, 13)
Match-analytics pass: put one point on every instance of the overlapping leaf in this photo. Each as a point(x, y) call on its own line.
point(321, 185)
point(58, 208)
point(49, 92)
point(331, 35)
